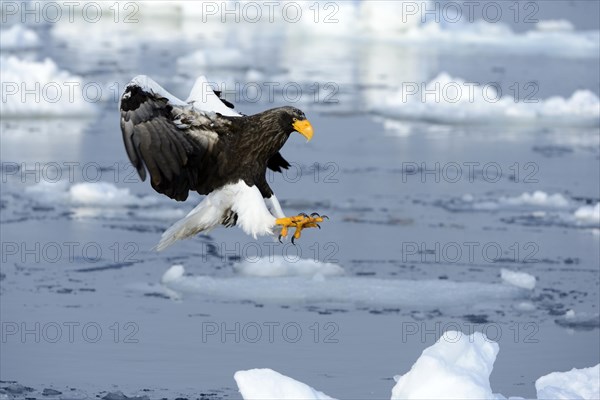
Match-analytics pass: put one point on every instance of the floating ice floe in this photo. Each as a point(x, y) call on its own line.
point(576, 384)
point(579, 320)
point(41, 89)
point(562, 219)
point(537, 200)
point(104, 194)
point(89, 194)
point(555, 25)
point(451, 100)
point(457, 366)
point(543, 209)
point(519, 279)
point(173, 274)
point(588, 214)
point(583, 217)
point(295, 281)
point(266, 384)
point(18, 37)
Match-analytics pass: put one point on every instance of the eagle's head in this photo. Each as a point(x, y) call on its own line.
point(291, 119)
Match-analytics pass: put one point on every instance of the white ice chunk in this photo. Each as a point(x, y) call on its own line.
point(554, 25)
point(537, 198)
point(48, 191)
point(104, 194)
point(572, 385)
point(55, 93)
point(418, 294)
point(451, 100)
point(266, 384)
point(89, 194)
point(457, 366)
point(518, 279)
point(588, 214)
point(172, 274)
point(18, 37)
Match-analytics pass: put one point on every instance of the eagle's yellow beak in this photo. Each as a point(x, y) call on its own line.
point(304, 128)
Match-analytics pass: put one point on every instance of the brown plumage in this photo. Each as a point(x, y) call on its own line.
point(185, 149)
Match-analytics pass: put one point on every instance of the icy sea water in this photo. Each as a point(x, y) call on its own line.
point(380, 208)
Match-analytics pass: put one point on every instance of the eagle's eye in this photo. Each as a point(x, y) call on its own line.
point(294, 119)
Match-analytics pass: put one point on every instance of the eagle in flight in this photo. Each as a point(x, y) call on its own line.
point(203, 145)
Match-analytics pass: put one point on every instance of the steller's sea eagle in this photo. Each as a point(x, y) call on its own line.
point(203, 145)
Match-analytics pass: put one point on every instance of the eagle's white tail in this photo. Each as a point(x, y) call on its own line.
point(204, 217)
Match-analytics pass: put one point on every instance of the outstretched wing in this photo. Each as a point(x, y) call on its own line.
point(179, 145)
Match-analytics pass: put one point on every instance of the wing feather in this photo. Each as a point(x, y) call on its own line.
point(177, 144)
point(277, 163)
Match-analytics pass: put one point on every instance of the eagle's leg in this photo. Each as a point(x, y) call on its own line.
point(299, 222)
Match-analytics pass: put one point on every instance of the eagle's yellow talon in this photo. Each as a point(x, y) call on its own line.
point(300, 222)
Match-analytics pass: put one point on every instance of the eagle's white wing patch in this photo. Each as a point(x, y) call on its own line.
point(204, 99)
point(149, 85)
